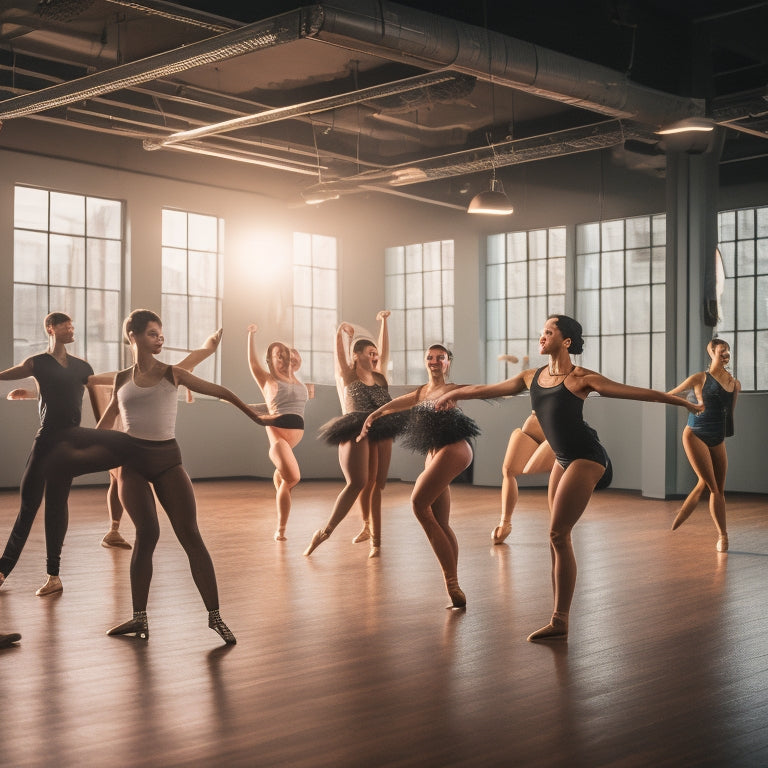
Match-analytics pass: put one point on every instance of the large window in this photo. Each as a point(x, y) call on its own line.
point(743, 246)
point(525, 282)
point(67, 257)
point(315, 304)
point(192, 285)
point(419, 292)
point(620, 298)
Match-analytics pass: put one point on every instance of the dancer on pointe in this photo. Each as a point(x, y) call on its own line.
point(365, 463)
point(704, 435)
point(443, 438)
point(145, 397)
point(558, 391)
point(286, 398)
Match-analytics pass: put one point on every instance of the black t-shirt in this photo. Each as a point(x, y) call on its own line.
point(61, 390)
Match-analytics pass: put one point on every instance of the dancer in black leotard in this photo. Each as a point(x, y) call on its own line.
point(365, 464)
point(443, 437)
point(286, 398)
point(704, 436)
point(558, 391)
point(145, 397)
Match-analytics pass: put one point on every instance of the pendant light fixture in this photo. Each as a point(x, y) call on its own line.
point(493, 201)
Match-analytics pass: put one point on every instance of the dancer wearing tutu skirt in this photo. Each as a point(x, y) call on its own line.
point(286, 398)
point(558, 391)
point(704, 435)
point(365, 464)
point(145, 397)
point(443, 437)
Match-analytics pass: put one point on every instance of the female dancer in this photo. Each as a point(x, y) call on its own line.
point(145, 397)
point(365, 464)
point(704, 436)
point(558, 391)
point(286, 398)
point(443, 436)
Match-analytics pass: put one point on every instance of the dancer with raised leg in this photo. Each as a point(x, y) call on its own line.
point(558, 391)
point(365, 463)
point(145, 397)
point(286, 398)
point(704, 435)
point(443, 438)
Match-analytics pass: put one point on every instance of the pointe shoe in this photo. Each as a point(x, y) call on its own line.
point(317, 539)
point(216, 623)
point(113, 539)
point(364, 534)
point(138, 626)
point(555, 630)
point(682, 516)
point(500, 532)
point(722, 543)
point(51, 587)
point(458, 598)
point(375, 552)
point(6, 641)
point(279, 536)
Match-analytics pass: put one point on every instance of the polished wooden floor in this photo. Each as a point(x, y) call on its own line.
point(345, 661)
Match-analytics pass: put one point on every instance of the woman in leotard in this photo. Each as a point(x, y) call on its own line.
point(286, 398)
point(365, 464)
point(704, 436)
point(558, 391)
point(146, 398)
point(443, 438)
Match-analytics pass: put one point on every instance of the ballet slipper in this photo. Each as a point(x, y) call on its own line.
point(500, 532)
point(557, 629)
point(722, 543)
point(317, 539)
point(216, 623)
point(138, 625)
point(458, 598)
point(364, 534)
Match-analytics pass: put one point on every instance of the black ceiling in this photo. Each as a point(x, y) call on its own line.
point(433, 137)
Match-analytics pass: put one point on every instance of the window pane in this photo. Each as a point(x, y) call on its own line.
point(658, 362)
point(203, 232)
point(202, 273)
point(588, 238)
point(174, 270)
point(638, 355)
point(175, 321)
point(745, 371)
point(745, 310)
point(494, 275)
point(324, 288)
point(394, 261)
point(324, 252)
point(517, 279)
point(658, 309)
point(612, 269)
point(302, 249)
point(104, 321)
point(413, 262)
point(612, 235)
point(495, 327)
point(638, 267)
point(302, 287)
point(431, 256)
point(174, 229)
point(302, 328)
point(638, 313)
point(495, 250)
point(203, 320)
point(104, 218)
point(745, 224)
point(612, 311)
point(556, 276)
point(30, 208)
point(588, 311)
point(394, 289)
point(414, 333)
point(67, 260)
point(413, 294)
point(67, 213)
point(433, 326)
point(537, 277)
point(432, 289)
point(30, 306)
point(537, 244)
point(517, 317)
point(104, 264)
point(30, 257)
point(638, 232)
point(612, 357)
point(588, 271)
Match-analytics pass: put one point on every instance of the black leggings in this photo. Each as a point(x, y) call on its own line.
point(54, 460)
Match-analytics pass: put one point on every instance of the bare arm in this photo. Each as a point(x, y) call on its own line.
point(22, 371)
point(512, 386)
point(196, 356)
point(402, 403)
point(383, 342)
point(693, 382)
point(596, 382)
point(203, 387)
point(258, 371)
point(343, 365)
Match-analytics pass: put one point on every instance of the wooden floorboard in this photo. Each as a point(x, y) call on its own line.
point(345, 661)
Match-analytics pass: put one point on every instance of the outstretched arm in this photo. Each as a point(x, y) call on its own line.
point(596, 382)
point(22, 371)
point(383, 342)
point(512, 386)
point(203, 387)
point(196, 356)
point(402, 403)
point(258, 371)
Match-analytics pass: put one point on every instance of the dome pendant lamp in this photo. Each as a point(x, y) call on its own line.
point(492, 201)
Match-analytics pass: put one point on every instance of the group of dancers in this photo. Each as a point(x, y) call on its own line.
point(144, 399)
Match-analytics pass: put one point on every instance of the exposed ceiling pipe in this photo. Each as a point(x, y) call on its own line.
point(281, 29)
point(402, 33)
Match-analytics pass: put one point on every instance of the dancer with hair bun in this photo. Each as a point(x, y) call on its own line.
point(558, 391)
point(145, 397)
point(704, 435)
point(365, 464)
point(442, 436)
point(286, 398)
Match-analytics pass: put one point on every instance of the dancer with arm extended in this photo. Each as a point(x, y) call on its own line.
point(365, 463)
point(704, 435)
point(558, 391)
point(286, 398)
point(145, 397)
point(100, 392)
point(443, 437)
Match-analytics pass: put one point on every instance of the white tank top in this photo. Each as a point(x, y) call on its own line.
point(149, 412)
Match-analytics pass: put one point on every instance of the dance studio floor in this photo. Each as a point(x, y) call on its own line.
point(344, 661)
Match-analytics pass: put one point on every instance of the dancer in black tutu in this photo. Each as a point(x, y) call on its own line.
point(443, 436)
point(365, 464)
